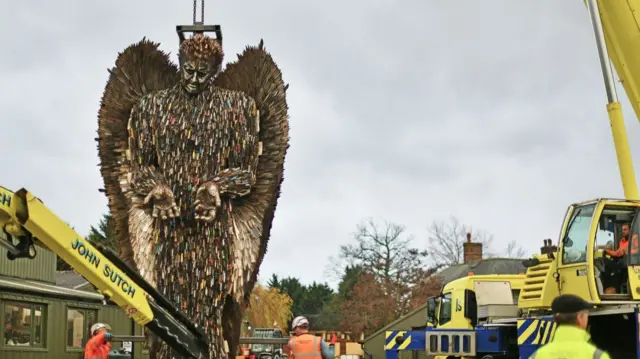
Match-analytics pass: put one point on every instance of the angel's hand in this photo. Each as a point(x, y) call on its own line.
point(207, 201)
point(163, 202)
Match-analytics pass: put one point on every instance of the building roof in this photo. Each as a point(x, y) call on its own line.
point(70, 279)
point(45, 289)
point(482, 267)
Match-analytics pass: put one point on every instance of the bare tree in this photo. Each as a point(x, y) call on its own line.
point(387, 253)
point(335, 267)
point(447, 238)
point(384, 250)
point(514, 250)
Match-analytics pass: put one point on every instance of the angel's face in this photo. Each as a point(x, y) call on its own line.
point(195, 75)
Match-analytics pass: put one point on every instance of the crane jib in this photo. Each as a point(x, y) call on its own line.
point(94, 259)
point(25, 219)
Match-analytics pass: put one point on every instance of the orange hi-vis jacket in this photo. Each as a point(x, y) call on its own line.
point(97, 347)
point(623, 247)
point(307, 346)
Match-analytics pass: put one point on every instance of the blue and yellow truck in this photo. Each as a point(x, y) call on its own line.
point(447, 312)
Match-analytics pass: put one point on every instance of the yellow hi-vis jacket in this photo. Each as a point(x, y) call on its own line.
point(571, 343)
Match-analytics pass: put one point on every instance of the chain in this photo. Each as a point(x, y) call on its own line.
point(195, 11)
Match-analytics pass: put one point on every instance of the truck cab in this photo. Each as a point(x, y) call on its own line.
point(463, 304)
point(455, 306)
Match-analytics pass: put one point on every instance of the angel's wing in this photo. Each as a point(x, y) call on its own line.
point(257, 75)
point(140, 69)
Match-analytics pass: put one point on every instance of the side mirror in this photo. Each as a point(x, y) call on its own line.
point(471, 307)
point(432, 307)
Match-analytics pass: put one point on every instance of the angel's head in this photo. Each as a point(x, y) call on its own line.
point(200, 60)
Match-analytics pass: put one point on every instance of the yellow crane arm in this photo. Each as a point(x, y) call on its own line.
point(27, 221)
point(618, 38)
point(620, 22)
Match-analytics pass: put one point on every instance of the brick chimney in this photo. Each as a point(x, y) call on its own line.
point(472, 251)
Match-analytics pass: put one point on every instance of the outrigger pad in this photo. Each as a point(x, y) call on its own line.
point(199, 29)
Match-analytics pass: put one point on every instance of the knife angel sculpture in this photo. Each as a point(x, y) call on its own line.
point(192, 160)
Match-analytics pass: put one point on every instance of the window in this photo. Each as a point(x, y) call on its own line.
point(576, 239)
point(24, 324)
point(445, 310)
point(606, 237)
point(79, 322)
point(266, 333)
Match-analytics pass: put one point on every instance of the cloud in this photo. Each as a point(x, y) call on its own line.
point(493, 112)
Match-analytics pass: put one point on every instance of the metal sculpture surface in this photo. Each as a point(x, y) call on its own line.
point(192, 159)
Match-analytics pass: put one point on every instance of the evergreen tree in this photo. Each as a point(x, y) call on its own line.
point(104, 233)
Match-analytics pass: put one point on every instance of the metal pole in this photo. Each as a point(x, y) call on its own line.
point(133, 344)
point(245, 340)
point(9, 246)
point(128, 338)
point(605, 63)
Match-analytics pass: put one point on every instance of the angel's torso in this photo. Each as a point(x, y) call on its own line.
point(194, 138)
point(197, 137)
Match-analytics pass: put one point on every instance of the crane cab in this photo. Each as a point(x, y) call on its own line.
point(581, 265)
point(584, 268)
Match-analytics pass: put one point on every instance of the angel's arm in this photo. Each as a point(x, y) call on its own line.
point(237, 181)
point(142, 152)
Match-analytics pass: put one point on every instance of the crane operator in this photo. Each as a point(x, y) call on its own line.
point(615, 266)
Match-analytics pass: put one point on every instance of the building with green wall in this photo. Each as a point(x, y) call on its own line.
point(47, 315)
point(374, 344)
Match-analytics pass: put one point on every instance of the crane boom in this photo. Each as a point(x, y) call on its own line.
point(618, 40)
point(621, 25)
point(27, 221)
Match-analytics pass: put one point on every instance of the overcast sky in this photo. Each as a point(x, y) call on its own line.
point(411, 111)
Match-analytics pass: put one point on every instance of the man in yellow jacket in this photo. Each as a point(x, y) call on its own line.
point(571, 339)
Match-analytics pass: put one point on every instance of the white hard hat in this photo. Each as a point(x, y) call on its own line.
point(299, 321)
point(98, 326)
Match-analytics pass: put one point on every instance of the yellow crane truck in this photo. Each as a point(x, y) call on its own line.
point(29, 224)
point(445, 310)
point(495, 294)
point(576, 265)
